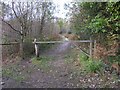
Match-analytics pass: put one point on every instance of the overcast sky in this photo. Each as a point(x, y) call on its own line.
point(59, 3)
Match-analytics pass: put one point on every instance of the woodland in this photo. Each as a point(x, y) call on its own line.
point(81, 50)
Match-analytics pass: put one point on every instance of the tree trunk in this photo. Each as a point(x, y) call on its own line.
point(21, 44)
point(21, 48)
point(41, 28)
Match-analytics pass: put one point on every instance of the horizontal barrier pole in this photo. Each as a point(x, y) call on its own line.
point(83, 41)
point(49, 42)
point(11, 43)
point(62, 41)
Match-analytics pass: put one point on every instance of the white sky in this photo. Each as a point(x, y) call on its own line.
point(59, 3)
point(62, 11)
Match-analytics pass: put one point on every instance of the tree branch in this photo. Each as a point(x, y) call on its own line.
point(15, 13)
point(12, 27)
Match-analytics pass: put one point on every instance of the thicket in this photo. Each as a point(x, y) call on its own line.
point(101, 21)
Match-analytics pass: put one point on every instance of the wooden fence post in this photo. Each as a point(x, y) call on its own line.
point(90, 47)
point(94, 48)
point(36, 48)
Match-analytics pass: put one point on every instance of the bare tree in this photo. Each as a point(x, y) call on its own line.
point(20, 12)
point(26, 13)
point(44, 13)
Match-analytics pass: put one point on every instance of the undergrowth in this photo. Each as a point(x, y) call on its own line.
point(114, 59)
point(13, 73)
point(42, 61)
point(90, 65)
point(16, 70)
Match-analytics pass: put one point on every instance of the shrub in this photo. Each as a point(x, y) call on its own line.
point(83, 57)
point(90, 65)
point(93, 66)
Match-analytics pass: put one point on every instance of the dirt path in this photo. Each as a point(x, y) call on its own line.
point(58, 75)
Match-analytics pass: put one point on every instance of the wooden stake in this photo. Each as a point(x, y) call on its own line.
point(36, 48)
point(91, 47)
point(94, 49)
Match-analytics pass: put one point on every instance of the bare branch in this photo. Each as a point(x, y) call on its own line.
point(15, 13)
point(12, 27)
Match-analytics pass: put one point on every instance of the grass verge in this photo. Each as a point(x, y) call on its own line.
point(42, 61)
point(16, 70)
point(11, 73)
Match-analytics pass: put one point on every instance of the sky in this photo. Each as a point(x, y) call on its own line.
point(59, 3)
point(62, 11)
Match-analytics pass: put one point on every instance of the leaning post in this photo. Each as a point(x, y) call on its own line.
point(36, 48)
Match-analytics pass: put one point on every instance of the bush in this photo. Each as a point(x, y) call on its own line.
point(93, 66)
point(83, 57)
point(90, 65)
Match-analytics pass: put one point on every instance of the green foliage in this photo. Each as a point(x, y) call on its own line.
point(83, 57)
point(97, 25)
point(93, 66)
point(90, 65)
point(113, 59)
point(97, 17)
